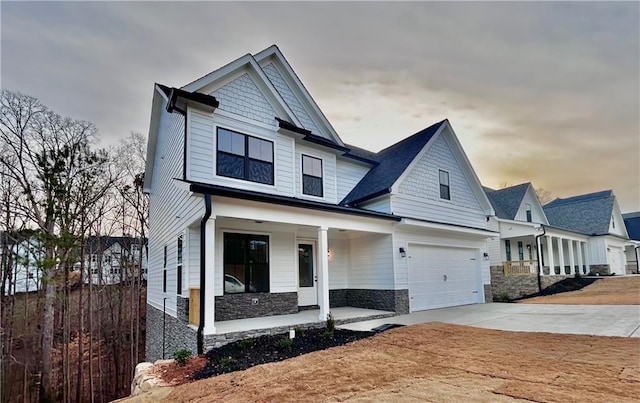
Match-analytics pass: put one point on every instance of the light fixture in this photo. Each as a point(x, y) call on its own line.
point(486, 256)
point(529, 247)
point(403, 252)
point(258, 221)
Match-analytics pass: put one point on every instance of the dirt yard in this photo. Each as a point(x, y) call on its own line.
point(443, 363)
point(605, 291)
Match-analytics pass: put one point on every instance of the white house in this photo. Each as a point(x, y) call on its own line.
point(113, 260)
point(23, 271)
point(632, 247)
point(258, 208)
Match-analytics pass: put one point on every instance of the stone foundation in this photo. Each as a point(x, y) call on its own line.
point(632, 268)
point(182, 307)
point(384, 300)
point(599, 269)
point(516, 286)
point(254, 305)
point(177, 335)
point(488, 295)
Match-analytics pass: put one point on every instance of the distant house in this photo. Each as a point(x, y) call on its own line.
point(23, 271)
point(113, 260)
point(259, 209)
point(632, 248)
point(596, 215)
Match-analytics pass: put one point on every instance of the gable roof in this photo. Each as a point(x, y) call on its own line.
point(588, 214)
point(632, 222)
point(392, 162)
point(506, 202)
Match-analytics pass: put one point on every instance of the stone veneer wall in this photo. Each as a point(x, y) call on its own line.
point(488, 294)
point(182, 306)
point(241, 306)
point(385, 300)
point(599, 269)
point(519, 285)
point(177, 335)
point(632, 268)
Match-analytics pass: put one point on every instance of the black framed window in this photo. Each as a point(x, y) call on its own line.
point(444, 185)
point(520, 251)
point(179, 254)
point(507, 249)
point(244, 157)
point(528, 212)
point(246, 263)
point(312, 176)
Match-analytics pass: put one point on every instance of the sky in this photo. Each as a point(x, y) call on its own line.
point(546, 92)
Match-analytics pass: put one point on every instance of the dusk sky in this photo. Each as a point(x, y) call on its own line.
point(543, 92)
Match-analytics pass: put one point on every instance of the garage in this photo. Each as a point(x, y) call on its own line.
point(442, 276)
point(616, 260)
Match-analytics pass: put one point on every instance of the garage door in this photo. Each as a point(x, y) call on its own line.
point(616, 260)
point(442, 276)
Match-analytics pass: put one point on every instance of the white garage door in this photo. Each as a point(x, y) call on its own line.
point(442, 276)
point(616, 260)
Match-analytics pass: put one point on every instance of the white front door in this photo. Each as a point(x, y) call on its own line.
point(307, 277)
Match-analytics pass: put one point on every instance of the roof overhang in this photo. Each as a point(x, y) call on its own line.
point(472, 232)
point(180, 99)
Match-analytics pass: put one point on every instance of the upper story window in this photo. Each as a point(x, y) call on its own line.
point(312, 176)
point(444, 185)
point(528, 206)
point(244, 157)
point(613, 222)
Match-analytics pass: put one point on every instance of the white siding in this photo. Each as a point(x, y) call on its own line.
point(338, 264)
point(381, 204)
point(537, 215)
point(171, 209)
point(419, 192)
point(242, 97)
point(289, 97)
point(328, 174)
point(597, 249)
point(348, 174)
point(494, 245)
point(371, 262)
point(193, 258)
point(201, 139)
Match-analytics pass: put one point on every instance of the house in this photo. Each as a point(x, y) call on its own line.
point(596, 215)
point(632, 247)
point(261, 214)
point(113, 259)
point(530, 254)
point(22, 257)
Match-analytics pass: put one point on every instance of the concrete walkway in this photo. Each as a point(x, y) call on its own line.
point(599, 320)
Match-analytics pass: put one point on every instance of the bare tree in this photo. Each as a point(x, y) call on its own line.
point(544, 196)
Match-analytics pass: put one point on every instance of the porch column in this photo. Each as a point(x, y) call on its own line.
point(561, 255)
point(550, 258)
point(580, 261)
point(209, 292)
point(323, 273)
point(587, 261)
point(572, 259)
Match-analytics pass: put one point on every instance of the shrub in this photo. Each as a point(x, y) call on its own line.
point(504, 296)
point(578, 275)
point(331, 322)
point(182, 356)
point(245, 343)
point(299, 331)
point(226, 361)
point(327, 334)
point(284, 343)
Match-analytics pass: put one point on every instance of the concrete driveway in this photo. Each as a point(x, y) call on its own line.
point(598, 320)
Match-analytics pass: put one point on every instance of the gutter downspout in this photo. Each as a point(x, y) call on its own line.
point(203, 268)
point(539, 245)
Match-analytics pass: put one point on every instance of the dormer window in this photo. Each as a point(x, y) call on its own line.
point(244, 157)
point(528, 206)
point(312, 176)
point(444, 185)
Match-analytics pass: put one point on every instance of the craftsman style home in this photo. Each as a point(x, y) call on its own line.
point(261, 215)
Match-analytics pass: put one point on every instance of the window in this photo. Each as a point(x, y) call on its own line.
point(528, 212)
point(520, 251)
point(507, 249)
point(244, 157)
point(311, 176)
point(179, 266)
point(107, 259)
point(613, 222)
point(94, 259)
point(444, 185)
point(246, 263)
point(164, 270)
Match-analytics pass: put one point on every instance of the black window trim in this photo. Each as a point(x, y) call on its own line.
point(269, 255)
point(302, 174)
point(447, 185)
point(179, 262)
point(246, 157)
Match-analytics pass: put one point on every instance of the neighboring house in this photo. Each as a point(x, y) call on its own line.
point(258, 208)
point(596, 215)
point(526, 239)
point(23, 258)
point(113, 260)
point(632, 247)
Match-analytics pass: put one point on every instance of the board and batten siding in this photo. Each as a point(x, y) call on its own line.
point(419, 192)
point(348, 174)
point(371, 262)
point(171, 210)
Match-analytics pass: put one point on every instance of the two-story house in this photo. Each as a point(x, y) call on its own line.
point(113, 260)
point(260, 213)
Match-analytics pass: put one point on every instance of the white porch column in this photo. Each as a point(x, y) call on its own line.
point(572, 259)
point(561, 255)
point(580, 260)
point(323, 273)
point(587, 262)
point(209, 292)
point(550, 259)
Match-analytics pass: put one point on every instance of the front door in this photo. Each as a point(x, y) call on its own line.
point(307, 289)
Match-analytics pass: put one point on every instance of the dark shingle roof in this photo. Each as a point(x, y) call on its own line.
point(392, 163)
point(588, 214)
point(506, 202)
point(632, 222)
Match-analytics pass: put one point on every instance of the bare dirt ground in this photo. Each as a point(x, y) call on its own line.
point(443, 363)
point(605, 291)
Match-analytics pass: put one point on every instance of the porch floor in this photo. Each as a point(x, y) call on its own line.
point(341, 315)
